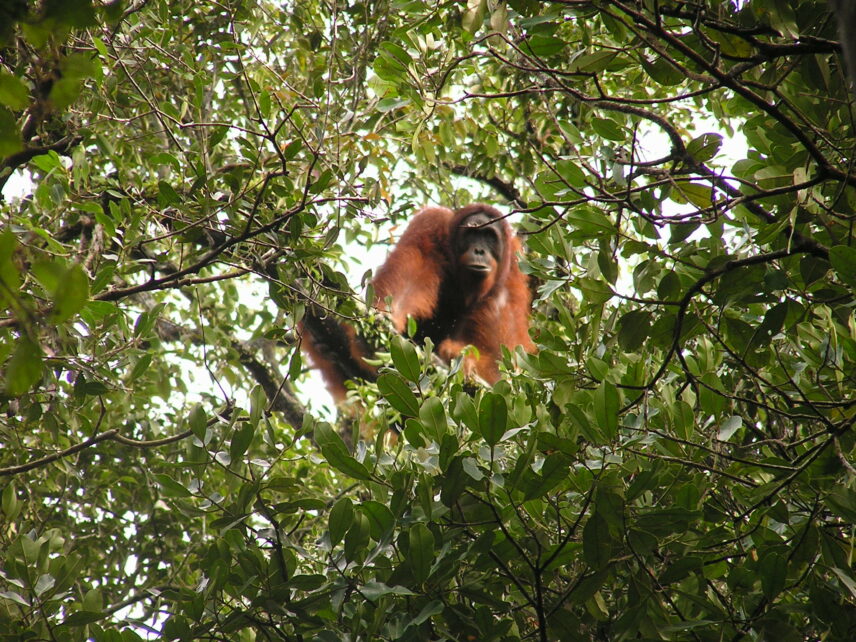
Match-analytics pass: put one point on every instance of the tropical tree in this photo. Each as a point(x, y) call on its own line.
point(183, 181)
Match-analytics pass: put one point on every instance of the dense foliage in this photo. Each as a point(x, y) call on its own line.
point(183, 178)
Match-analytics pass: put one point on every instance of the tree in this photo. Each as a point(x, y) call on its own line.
point(676, 462)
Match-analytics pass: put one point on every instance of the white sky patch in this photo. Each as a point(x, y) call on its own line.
point(655, 144)
point(18, 186)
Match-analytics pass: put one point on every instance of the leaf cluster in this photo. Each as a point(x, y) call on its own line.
point(183, 180)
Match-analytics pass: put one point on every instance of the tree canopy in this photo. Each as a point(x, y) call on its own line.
point(184, 179)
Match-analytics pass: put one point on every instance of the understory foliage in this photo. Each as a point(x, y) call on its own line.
point(182, 179)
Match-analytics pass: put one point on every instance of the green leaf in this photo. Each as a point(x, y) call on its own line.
point(9, 502)
point(74, 13)
point(49, 274)
point(572, 173)
point(167, 194)
point(405, 358)
point(493, 418)
point(683, 419)
point(606, 400)
point(843, 259)
point(554, 470)
point(704, 147)
point(842, 502)
point(449, 446)
point(82, 387)
point(429, 610)
point(396, 53)
point(666, 521)
point(13, 91)
point(738, 333)
point(357, 537)
point(375, 590)
point(633, 329)
point(258, 405)
point(413, 432)
point(140, 367)
point(307, 582)
point(544, 46)
point(607, 128)
point(473, 16)
point(327, 437)
point(381, 519)
point(772, 324)
point(680, 233)
point(662, 71)
point(72, 294)
point(340, 520)
point(76, 68)
point(344, 463)
point(420, 553)
point(680, 569)
point(433, 418)
point(607, 264)
point(65, 91)
point(336, 453)
point(93, 601)
point(597, 542)
point(399, 395)
point(170, 487)
point(699, 195)
point(578, 418)
point(321, 183)
point(594, 291)
point(669, 287)
point(813, 268)
point(10, 134)
point(198, 422)
point(391, 104)
point(68, 287)
point(82, 618)
point(388, 70)
point(773, 569)
point(241, 440)
point(454, 482)
point(291, 150)
point(464, 411)
point(24, 369)
point(847, 580)
point(593, 63)
point(15, 597)
point(165, 158)
point(305, 504)
point(729, 427)
point(10, 278)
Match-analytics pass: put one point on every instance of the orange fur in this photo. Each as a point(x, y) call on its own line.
point(492, 313)
point(454, 306)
